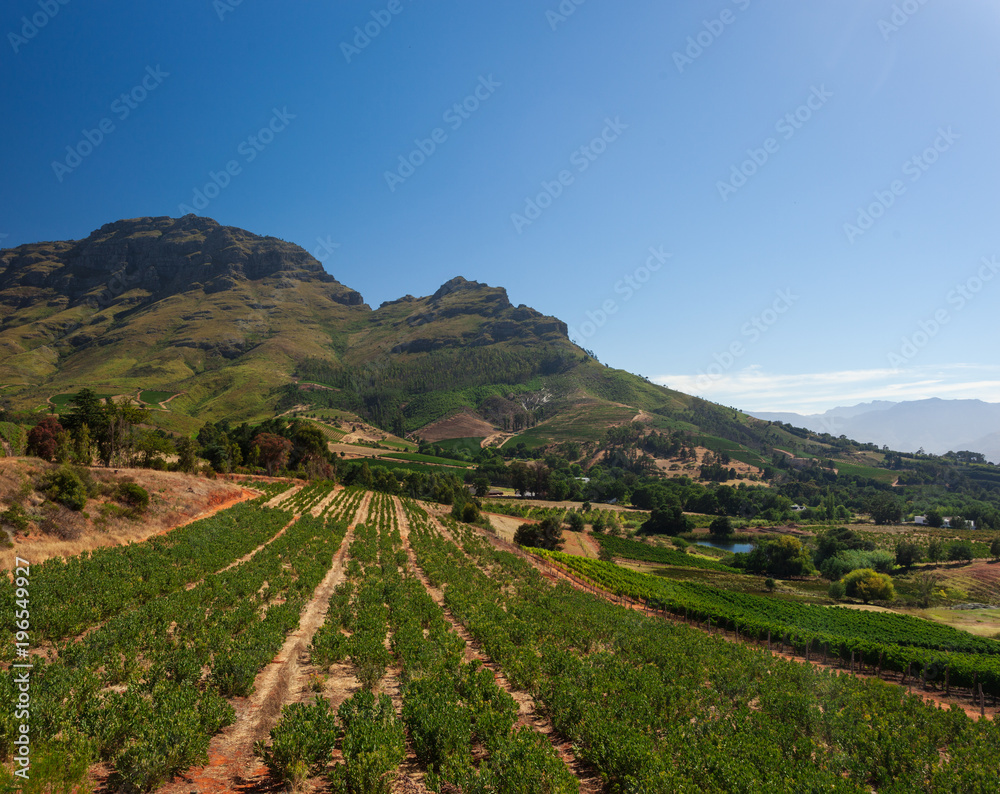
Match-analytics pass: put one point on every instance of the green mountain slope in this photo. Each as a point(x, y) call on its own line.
point(241, 326)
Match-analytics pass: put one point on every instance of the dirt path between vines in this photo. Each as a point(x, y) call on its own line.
point(233, 766)
point(529, 712)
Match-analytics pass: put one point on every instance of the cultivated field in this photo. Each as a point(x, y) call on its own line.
point(329, 639)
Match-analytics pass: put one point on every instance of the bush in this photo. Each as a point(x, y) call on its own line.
point(374, 745)
point(838, 566)
point(836, 591)
point(869, 585)
point(65, 487)
point(302, 742)
point(14, 516)
point(470, 513)
point(133, 495)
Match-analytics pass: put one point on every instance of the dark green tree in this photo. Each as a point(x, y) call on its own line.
point(547, 534)
point(721, 527)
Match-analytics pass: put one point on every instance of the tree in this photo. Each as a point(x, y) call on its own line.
point(668, 520)
point(907, 553)
point(834, 541)
point(86, 410)
point(43, 438)
point(521, 478)
point(575, 521)
point(925, 583)
point(961, 551)
point(936, 550)
point(274, 451)
point(885, 509)
point(868, 585)
point(187, 454)
point(788, 557)
point(482, 486)
point(995, 548)
point(782, 558)
point(545, 535)
point(934, 519)
point(721, 527)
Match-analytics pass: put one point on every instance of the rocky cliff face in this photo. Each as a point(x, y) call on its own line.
point(161, 256)
point(460, 298)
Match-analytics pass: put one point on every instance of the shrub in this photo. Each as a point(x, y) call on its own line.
point(64, 486)
point(133, 495)
point(301, 742)
point(14, 516)
point(869, 585)
point(470, 513)
point(374, 744)
point(838, 566)
point(836, 591)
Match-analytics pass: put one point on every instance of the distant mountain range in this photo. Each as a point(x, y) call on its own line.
point(936, 425)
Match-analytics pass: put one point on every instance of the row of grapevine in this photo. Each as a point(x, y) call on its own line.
point(450, 709)
point(888, 641)
point(660, 707)
point(70, 595)
point(144, 692)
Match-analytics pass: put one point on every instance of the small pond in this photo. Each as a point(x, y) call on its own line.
point(735, 548)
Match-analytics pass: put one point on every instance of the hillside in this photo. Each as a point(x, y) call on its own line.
point(205, 322)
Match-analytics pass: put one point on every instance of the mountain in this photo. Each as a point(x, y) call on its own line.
point(936, 425)
point(239, 326)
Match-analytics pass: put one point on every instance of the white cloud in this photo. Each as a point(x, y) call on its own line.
point(753, 389)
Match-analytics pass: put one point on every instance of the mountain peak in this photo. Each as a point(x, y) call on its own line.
point(459, 284)
point(162, 256)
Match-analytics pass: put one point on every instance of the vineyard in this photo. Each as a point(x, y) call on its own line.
point(435, 659)
point(886, 640)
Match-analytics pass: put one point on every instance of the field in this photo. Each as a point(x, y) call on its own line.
point(413, 457)
point(323, 639)
point(61, 401)
point(152, 397)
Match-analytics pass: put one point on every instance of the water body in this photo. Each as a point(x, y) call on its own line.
point(735, 548)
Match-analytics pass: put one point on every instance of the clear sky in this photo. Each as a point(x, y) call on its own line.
point(776, 205)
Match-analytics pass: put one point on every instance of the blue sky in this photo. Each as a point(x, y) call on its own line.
point(775, 205)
